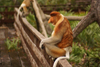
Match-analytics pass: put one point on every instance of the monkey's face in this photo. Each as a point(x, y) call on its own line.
point(53, 20)
point(55, 16)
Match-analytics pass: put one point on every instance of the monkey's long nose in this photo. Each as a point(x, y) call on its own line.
point(49, 21)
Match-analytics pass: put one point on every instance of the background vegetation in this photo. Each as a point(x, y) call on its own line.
point(52, 2)
point(12, 43)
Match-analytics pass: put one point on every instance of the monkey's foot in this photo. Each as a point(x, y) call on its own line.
point(67, 55)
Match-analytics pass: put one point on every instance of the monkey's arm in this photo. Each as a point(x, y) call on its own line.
point(54, 39)
point(50, 40)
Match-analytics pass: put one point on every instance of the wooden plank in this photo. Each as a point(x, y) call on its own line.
point(31, 28)
point(3, 32)
point(4, 56)
point(33, 46)
point(39, 17)
point(33, 63)
point(15, 61)
point(41, 58)
point(64, 63)
point(23, 58)
point(35, 49)
point(32, 38)
point(2, 36)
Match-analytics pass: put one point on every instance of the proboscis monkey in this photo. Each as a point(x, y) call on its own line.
point(59, 45)
point(24, 5)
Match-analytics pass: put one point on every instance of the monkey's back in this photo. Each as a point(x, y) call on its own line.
point(67, 38)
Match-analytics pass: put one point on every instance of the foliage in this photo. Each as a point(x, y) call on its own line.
point(81, 56)
point(6, 2)
point(93, 58)
point(31, 19)
point(12, 44)
point(87, 8)
point(52, 2)
point(90, 35)
point(77, 53)
point(65, 13)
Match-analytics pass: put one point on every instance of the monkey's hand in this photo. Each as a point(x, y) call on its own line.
point(41, 44)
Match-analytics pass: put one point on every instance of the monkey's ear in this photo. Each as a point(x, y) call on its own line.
point(54, 13)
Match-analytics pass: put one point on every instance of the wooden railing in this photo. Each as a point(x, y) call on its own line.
point(31, 38)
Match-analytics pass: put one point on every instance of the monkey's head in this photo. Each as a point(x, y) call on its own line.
point(55, 16)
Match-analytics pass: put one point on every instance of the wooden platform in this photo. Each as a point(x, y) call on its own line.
point(14, 58)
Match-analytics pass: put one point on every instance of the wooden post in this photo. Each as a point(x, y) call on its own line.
point(39, 18)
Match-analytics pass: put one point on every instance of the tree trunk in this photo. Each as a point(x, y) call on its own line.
point(43, 17)
point(93, 15)
point(39, 18)
point(45, 21)
point(98, 13)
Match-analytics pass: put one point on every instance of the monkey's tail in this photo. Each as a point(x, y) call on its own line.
point(56, 61)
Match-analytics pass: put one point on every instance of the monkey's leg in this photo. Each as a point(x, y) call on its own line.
point(67, 54)
point(54, 51)
point(68, 50)
point(25, 11)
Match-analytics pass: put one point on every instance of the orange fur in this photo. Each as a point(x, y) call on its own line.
point(56, 52)
point(67, 38)
point(60, 42)
point(27, 2)
point(61, 37)
point(68, 35)
point(24, 5)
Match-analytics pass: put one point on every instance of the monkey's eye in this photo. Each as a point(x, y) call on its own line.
point(51, 22)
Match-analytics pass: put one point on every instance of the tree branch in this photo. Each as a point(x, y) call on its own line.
point(39, 18)
point(69, 17)
point(83, 24)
